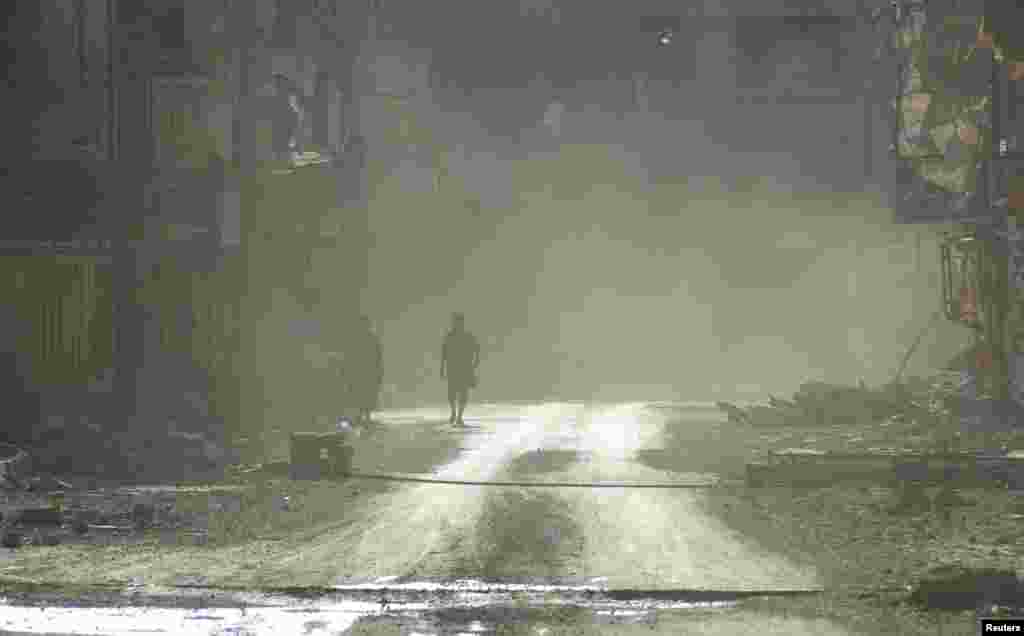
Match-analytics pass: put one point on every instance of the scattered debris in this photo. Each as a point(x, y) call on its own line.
point(41, 516)
point(735, 414)
point(809, 467)
point(110, 529)
point(80, 526)
point(320, 455)
point(46, 483)
point(823, 404)
point(15, 463)
point(552, 535)
point(901, 432)
point(40, 538)
point(959, 588)
point(143, 515)
point(8, 482)
point(12, 539)
point(911, 499)
point(282, 503)
point(230, 504)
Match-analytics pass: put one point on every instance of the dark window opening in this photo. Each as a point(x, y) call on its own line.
point(286, 21)
point(80, 43)
point(132, 13)
point(321, 110)
point(170, 28)
point(764, 43)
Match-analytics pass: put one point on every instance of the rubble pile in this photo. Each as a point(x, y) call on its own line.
point(818, 404)
point(15, 463)
point(74, 515)
point(954, 551)
point(163, 455)
point(61, 486)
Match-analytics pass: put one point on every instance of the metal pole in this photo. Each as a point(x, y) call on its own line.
point(110, 91)
point(914, 346)
point(995, 323)
point(1014, 343)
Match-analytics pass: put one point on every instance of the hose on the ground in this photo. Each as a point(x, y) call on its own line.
point(533, 484)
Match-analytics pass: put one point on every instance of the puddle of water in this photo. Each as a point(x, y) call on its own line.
point(669, 460)
point(544, 461)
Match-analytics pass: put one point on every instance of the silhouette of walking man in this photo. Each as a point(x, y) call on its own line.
point(368, 374)
point(460, 357)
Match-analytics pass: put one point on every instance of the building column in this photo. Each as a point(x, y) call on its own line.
point(129, 335)
point(1015, 289)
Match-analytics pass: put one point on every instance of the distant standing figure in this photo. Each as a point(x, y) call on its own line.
point(460, 357)
point(367, 370)
point(289, 114)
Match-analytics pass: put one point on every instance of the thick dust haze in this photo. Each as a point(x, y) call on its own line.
point(676, 245)
point(587, 279)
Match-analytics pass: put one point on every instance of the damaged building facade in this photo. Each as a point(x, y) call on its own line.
point(173, 166)
point(953, 98)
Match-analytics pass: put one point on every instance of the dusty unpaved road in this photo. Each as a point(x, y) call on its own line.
point(630, 538)
point(466, 537)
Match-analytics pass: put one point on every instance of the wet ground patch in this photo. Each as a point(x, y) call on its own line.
point(567, 619)
point(712, 445)
point(666, 459)
point(494, 620)
point(543, 461)
point(520, 533)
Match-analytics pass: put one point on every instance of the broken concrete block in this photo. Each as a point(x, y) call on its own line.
point(108, 529)
point(231, 504)
point(88, 515)
point(47, 483)
point(317, 456)
point(10, 483)
point(41, 516)
point(168, 536)
point(956, 587)
point(552, 535)
point(12, 539)
point(305, 472)
point(282, 503)
point(15, 463)
point(143, 515)
point(911, 497)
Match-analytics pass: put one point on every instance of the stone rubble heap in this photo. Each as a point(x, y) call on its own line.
point(916, 402)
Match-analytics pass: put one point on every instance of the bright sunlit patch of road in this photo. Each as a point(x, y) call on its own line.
point(412, 416)
point(406, 528)
point(466, 586)
point(637, 538)
point(660, 539)
point(412, 525)
point(615, 433)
